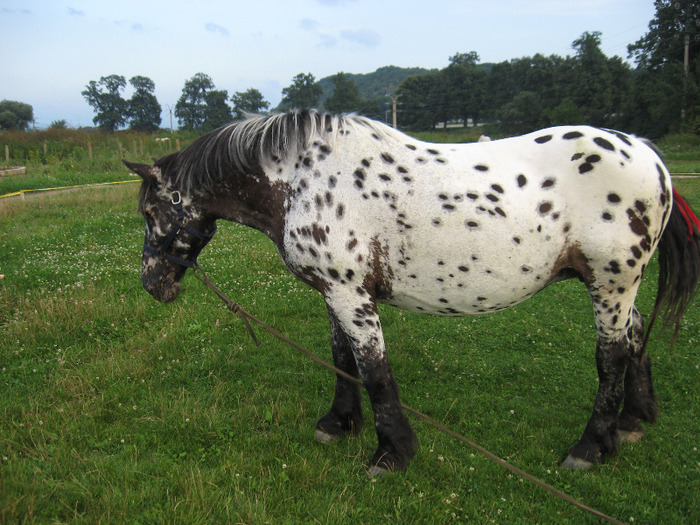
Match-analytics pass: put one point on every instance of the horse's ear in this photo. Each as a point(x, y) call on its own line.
point(147, 172)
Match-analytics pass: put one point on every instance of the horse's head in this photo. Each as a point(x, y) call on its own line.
point(176, 231)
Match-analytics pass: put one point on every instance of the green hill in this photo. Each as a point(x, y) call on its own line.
point(378, 84)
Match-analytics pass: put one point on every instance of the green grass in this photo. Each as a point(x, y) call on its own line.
point(118, 409)
point(55, 158)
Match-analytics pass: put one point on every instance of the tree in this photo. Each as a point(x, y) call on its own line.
point(465, 59)
point(655, 102)
point(664, 44)
point(566, 113)
point(111, 110)
point(248, 102)
point(303, 93)
point(501, 87)
point(593, 89)
point(441, 102)
point(217, 112)
point(417, 111)
point(466, 85)
point(144, 109)
point(59, 124)
point(191, 106)
point(15, 115)
point(660, 57)
point(524, 113)
point(375, 108)
point(345, 97)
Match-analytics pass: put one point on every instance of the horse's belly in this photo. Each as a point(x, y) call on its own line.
point(453, 294)
point(450, 271)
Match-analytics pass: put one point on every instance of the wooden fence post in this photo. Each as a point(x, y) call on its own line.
point(7, 153)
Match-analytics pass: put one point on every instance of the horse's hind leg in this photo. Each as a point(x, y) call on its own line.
point(617, 335)
point(599, 438)
point(345, 416)
point(640, 401)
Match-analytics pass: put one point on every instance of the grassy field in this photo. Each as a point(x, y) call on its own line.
point(58, 157)
point(55, 158)
point(118, 409)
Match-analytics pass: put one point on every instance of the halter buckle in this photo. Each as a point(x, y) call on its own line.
point(176, 198)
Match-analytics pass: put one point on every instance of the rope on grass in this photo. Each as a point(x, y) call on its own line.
point(63, 188)
point(236, 308)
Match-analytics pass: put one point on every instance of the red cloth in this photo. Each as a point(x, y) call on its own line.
point(690, 217)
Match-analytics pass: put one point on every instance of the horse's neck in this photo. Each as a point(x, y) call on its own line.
point(255, 203)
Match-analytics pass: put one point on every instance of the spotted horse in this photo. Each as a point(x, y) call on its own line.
point(365, 214)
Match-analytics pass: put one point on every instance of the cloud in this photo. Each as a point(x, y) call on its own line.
point(334, 3)
point(307, 24)
point(75, 12)
point(365, 37)
point(137, 27)
point(327, 41)
point(13, 11)
point(216, 29)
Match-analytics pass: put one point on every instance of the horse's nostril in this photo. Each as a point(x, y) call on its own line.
point(164, 289)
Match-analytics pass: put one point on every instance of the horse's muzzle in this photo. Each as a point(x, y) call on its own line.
point(160, 280)
point(162, 289)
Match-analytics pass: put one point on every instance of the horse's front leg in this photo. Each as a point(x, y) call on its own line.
point(345, 416)
point(355, 315)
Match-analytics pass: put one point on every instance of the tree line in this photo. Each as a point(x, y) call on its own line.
point(660, 94)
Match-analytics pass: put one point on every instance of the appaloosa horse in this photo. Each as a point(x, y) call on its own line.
point(365, 214)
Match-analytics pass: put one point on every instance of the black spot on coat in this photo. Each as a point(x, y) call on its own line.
point(585, 168)
point(387, 158)
point(603, 143)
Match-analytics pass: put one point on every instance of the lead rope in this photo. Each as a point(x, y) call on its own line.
point(200, 274)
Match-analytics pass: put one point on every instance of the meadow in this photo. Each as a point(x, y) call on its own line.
point(118, 409)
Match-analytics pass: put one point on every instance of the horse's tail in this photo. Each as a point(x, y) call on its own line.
point(679, 267)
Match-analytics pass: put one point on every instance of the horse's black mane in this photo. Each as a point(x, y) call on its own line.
point(243, 147)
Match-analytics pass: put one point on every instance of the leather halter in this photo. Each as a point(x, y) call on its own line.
point(176, 228)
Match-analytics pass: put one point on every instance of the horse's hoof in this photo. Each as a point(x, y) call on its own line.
point(630, 436)
point(325, 437)
point(375, 471)
point(574, 463)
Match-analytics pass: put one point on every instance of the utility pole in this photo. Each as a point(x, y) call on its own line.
point(394, 103)
point(686, 66)
point(171, 117)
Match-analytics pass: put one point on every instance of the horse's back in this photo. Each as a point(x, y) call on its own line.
point(471, 228)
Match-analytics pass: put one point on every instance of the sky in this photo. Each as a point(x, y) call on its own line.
point(51, 49)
